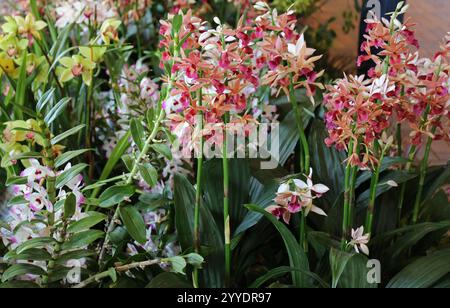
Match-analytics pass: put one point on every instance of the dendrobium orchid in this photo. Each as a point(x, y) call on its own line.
point(36, 172)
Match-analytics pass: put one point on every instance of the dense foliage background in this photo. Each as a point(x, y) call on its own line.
point(96, 96)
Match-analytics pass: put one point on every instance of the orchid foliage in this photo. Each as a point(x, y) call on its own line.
point(110, 111)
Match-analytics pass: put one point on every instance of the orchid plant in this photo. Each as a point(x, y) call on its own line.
point(128, 148)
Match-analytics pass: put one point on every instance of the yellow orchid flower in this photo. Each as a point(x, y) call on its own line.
point(27, 27)
point(75, 66)
point(10, 26)
point(93, 53)
point(12, 150)
point(108, 30)
point(6, 64)
point(13, 46)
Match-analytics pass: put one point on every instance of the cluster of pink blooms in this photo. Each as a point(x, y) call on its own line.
point(401, 88)
point(295, 196)
point(216, 71)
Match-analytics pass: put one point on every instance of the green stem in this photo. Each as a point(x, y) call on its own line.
point(198, 194)
point(226, 216)
point(88, 135)
point(347, 195)
point(303, 241)
point(399, 140)
point(305, 157)
point(49, 161)
point(411, 154)
point(423, 173)
point(142, 154)
point(373, 192)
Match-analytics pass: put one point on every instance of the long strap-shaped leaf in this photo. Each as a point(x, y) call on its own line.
point(297, 257)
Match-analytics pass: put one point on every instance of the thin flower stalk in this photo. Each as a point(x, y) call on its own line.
point(198, 194)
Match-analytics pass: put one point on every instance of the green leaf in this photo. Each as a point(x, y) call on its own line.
point(66, 134)
point(34, 254)
point(169, 280)
point(138, 133)
point(128, 161)
point(355, 273)
point(134, 223)
point(74, 255)
point(149, 174)
point(56, 110)
point(44, 99)
point(21, 87)
point(115, 194)
point(282, 270)
point(176, 23)
point(21, 269)
point(194, 259)
point(398, 176)
point(82, 239)
point(410, 235)
point(37, 242)
point(423, 272)
point(297, 257)
point(27, 155)
point(16, 180)
point(162, 149)
point(70, 204)
point(116, 154)
point(178, 264)
point(86, 222)
point(18, 284)
point(211, 235)
point(441, 180)
point(338, 262)
point(67, 156)
point(69, 174)
point(17, 200)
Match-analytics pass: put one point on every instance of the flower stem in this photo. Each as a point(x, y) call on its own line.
point(303, 241)
point(347, 196)
point(49, 161)
point(226, 216)
point(411, 154)
point(304, 158)
point(88, 135)
point(145, 149)
point(373, 192)
point(198, 194)
point(423, 173)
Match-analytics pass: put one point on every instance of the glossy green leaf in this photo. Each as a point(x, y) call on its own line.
point(69, 174)
point(82, 239)
point(149, 174)
point(134, 223)
point(21, 269)
point(67, 156)
point(297, 257)
point(423, 272)
point(85, 223)
point(115, 194)
point(56, 110)
point(67, 133)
